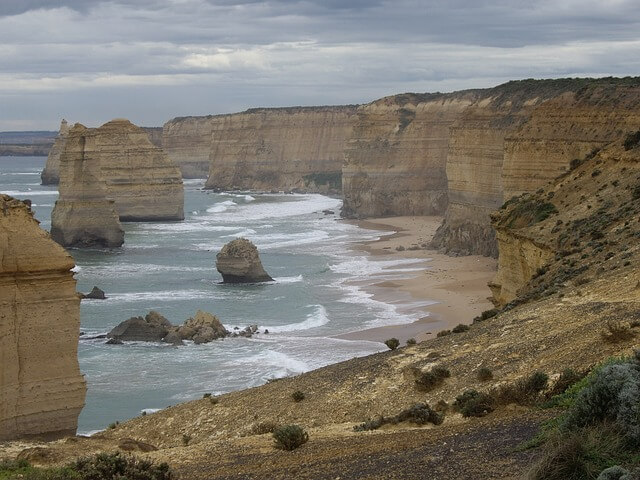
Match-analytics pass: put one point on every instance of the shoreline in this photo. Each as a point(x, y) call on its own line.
point(449, 291)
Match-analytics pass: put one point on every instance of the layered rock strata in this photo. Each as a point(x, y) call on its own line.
point(83, 216)
point(239, 262)
point(41, 388)
point(187, 142)
point(51, 173)
point(396, 158)
point(139, 177)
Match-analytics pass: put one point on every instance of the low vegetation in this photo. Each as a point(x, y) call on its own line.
point(420, 414)
point(474, 404)
point(290, 437)
point(392, 343)
point(297, 396)
point(426, 381)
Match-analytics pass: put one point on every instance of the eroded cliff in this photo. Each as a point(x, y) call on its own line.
point(51, 173)
point(395, 161)
point(41, 388)
point(83, 216)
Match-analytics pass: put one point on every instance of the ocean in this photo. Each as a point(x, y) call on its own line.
point(170, 267)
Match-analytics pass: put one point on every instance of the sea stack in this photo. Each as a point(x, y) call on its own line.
point(51, 173)
point(83, 216)
point(41, 388)
point(139, 177)
point(238, 262)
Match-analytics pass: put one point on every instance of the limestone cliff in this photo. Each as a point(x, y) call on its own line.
point(154, 134)
point(395, 161)
point(139, 177)
point(187, 142)
point(280, 148)
point(41, 388)
point(51, 173)
point(83, 216)
point(582, 226)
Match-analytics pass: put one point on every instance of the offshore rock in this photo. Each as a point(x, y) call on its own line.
point(201, 328)
point(152, 328)
point(41, 388)
point(51, 173)
point(83, 216)
point(239, 262)
point(95, 294)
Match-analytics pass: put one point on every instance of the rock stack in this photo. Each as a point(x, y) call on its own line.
point(239, 262)
point(51, 173)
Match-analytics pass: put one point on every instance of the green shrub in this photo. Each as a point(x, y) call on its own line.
point(206, 395)
point(420, 414)
point(392, 343)
point(411, 341)
point(484, 374)
point(474, 404)
point(567, 378)
point(461, 327)
point(524, 391)
point(186, 439)
point(486, 315)
point(117, 466)
point(632, 140)
point(297, 396)
point(443, 333)
point(430, 379)
point(290, 437)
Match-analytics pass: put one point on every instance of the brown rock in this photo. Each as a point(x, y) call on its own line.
point(152, 328)
point(238, 262)
point(96, 294)
point(51, 173)
point(41, 388)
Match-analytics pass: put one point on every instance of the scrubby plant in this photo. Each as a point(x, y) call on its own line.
point(290, 437)
point(118, 466)
point(392, 343)
point(524, 391)
point(474, 404)
point(297, 396)
point(214, 400)
point(206, 395)
point(411, 341)
point(113, 425)
point(186, 438)
point(443, 333)
point(567, 378)
point(487, 314)
point(484, 374)
point(420, 414)
point(430, 379)
point(632, 140)
point(617, 331)
point(461, 327)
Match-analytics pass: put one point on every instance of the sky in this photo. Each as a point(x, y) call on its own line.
point(90, 61)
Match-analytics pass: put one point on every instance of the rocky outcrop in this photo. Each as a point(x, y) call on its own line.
point(51, 173)
point(153, 327)
point(83, 216)
point(201, 328)
point(581, 226)
point(238, 262)
point(139, 177)
point(396, 159)
point(187, 142)
point(95, 294)
point(154, 134)
point(41, 388)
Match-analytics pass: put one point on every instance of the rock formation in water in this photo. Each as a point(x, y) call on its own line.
point(83, 216)
point(51, 173)
point(153, 327)
point(139, 177)
point(264, 149)
point(201, 328)
point(238, 262)
point(94, 294)
point(41, 388)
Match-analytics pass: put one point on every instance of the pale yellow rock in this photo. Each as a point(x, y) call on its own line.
point(83, 216)
point(187, 142)
point(41, 388)
point(51, 173)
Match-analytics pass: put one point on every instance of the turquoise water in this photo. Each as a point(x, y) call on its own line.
point(170, 267)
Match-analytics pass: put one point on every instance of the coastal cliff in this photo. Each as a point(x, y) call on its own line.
point(51, 173)
point(41, 388)
point(396, 158)
point(83, 216)
point(187, 142)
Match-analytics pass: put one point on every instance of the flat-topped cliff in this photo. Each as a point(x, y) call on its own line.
point(263, 148)
point(83, 216)
point(396, 158)
point(51, 173)
point(41, 388)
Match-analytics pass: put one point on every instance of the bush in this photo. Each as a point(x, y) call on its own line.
point(524, 391)
point(617, 332)
point(567, 378)
point(411, 341)
point(461, 327)
point(297, 396)
point(486, 315)
point(428, 380)
point(485, 374)
point(474, 404)
point(443, 333)
point(632, 140)
point(392, 343)
point(117, 466)
point(186, 439)
point(420, 414)
point(290, 437)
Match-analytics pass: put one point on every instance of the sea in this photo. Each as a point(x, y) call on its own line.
point(320, 291)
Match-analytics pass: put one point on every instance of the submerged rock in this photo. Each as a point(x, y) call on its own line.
point(152, 328)
point(96, 294)
point(239, 262)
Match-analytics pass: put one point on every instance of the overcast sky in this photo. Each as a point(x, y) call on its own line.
point(150, 60)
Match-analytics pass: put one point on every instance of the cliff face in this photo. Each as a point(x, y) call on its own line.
point(154, 134)
point(187, 142)
point(395, 161)
point(139, 177)
point(581, 227)
point(83, 216)
point(51, 173)
point(41, 388)
point(280, 148)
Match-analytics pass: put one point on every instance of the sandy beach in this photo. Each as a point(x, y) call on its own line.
point(456, 285)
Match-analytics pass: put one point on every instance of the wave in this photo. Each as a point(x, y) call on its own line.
point(137, 269)
point(296, 279)
point(221, 206)
point(30, 193)
point(161, 296)
point(316, 319)
point(278, 363)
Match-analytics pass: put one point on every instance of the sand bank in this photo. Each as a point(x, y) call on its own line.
point(457, 285)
